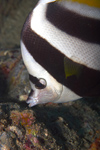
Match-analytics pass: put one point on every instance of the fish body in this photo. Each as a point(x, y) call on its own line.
point(60, 45)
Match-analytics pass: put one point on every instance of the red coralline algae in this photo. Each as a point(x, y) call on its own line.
point(5, 70)
point(28, 145)
point(25, 118)
point(95, 145)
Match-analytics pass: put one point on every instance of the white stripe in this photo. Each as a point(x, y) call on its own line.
point(32, 66)
point(67, 95)
point(74, 48)
point(46, 1)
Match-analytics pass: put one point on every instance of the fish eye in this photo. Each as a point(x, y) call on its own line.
point(41, 84)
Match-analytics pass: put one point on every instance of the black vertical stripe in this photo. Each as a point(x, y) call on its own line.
point(33, 79)
point(84, 28)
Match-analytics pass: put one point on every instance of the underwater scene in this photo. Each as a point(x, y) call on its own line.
point(49, 75)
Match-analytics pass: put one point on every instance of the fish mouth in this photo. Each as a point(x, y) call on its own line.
point(31, 100)
point(37, 96)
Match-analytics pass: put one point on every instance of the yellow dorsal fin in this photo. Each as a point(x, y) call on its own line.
point(93, 3)
point(72, 68)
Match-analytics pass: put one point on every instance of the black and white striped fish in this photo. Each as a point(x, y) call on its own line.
point(60, 44)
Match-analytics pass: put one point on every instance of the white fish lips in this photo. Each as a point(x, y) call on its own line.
point(32, 101)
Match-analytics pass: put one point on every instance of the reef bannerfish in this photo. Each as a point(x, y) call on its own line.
point(60, 45)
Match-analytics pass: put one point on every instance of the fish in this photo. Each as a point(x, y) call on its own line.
point(60, 46)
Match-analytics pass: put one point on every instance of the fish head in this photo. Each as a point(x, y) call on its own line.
point(44, 87)
point(44, 90)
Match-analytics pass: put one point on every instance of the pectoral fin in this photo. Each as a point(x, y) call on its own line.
point(72, 68)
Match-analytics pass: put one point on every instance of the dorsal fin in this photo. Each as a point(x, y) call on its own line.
point(93, 3)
